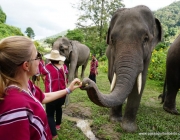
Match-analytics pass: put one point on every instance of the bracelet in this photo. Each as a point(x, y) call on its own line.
point(68, 90)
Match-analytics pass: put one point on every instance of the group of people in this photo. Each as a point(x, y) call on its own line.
point(22, 115)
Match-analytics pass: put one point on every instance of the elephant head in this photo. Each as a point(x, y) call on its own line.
point(64, 46)
point(132, 36)
point(76, 53)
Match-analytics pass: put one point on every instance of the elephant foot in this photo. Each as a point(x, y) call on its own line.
point(129, 126)
point(171, 110)
point(115, 118)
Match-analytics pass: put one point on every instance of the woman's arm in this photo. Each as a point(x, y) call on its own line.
point(51, 96)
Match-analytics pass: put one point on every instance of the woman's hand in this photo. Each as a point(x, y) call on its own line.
point(76, 83)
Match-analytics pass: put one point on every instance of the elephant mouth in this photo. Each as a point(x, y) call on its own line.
point(139, 82)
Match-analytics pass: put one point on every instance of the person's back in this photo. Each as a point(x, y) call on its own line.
point(55, 80)
point(54, 77)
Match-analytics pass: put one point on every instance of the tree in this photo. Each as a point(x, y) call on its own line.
point(51, 40)
point(96, 15)
point(76, 34)
point(30, 33)
point(2, 16)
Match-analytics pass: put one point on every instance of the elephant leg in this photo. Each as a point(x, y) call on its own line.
point(76, 72)
point(83, 69)
point(129, 119)
point(72, 70)
point(116, 113)
point(170, 101)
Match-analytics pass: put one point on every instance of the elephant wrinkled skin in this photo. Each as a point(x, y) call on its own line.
point(76, 54)
point(132, 35)
point(172, 80)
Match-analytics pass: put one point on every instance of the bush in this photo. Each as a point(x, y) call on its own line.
point(103, 58)
point(160, 46)
point(157, 66)
point(103, 66)
point(7, 30)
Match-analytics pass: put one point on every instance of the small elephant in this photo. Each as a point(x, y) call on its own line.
point(172, 80)
point(76, 54)
point(132, 35)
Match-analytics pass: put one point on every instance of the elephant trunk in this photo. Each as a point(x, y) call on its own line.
point(124, 83)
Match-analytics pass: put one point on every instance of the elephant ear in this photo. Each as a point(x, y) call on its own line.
point(158, 32)
point(107, 37)
point(159, 28)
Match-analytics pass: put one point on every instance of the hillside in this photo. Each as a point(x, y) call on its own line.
point(54, 36)
point(169, 17)
point(7, 30)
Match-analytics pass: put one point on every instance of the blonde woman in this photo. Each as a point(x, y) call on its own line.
point(22, 116)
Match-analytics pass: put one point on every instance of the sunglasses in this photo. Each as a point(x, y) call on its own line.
point(38, 57)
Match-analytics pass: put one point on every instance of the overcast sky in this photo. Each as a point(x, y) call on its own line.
point(50, 17)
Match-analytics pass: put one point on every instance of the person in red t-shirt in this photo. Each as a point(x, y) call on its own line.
point(93, 68)
point(22, 115)
point(55, 79)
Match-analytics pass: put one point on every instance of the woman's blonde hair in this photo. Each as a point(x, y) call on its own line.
point(14, 51)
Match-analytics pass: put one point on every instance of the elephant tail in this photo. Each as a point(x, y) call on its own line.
point(162, 96)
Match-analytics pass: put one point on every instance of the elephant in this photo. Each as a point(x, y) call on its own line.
point(132, 35)
point(172, 78)
point(76, 54)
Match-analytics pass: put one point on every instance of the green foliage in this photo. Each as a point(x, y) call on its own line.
point(103, 66)
point(51, 40)
point(76, 34)
point(94, 18)
point(157, 69)
point(2, 16)
point(160, 46)
point(30, 33)
point(7, 30)
point(170, 19)
point(40, 48)
point(103, 58)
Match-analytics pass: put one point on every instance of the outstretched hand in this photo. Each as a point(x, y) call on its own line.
point(76, 83)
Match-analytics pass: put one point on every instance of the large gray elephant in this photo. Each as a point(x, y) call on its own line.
point(132, 35)
point(172, 80)
point(76, 54)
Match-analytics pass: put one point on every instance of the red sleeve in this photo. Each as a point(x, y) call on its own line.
point(37, 92)
point(41, 66)
point(65, 69)
point(44, 70)
point(96, 63)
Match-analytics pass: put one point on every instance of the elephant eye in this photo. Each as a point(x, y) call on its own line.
point(61, 48)
point(112, 40)
point(146, 39)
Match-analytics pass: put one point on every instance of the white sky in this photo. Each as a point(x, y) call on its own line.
point(50, 17)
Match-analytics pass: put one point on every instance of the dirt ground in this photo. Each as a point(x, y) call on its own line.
point(78, 111)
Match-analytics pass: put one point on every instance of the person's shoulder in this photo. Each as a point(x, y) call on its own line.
point(16, 97)
point(49, 65)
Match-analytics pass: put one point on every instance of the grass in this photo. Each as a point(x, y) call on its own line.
point(153, 122)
